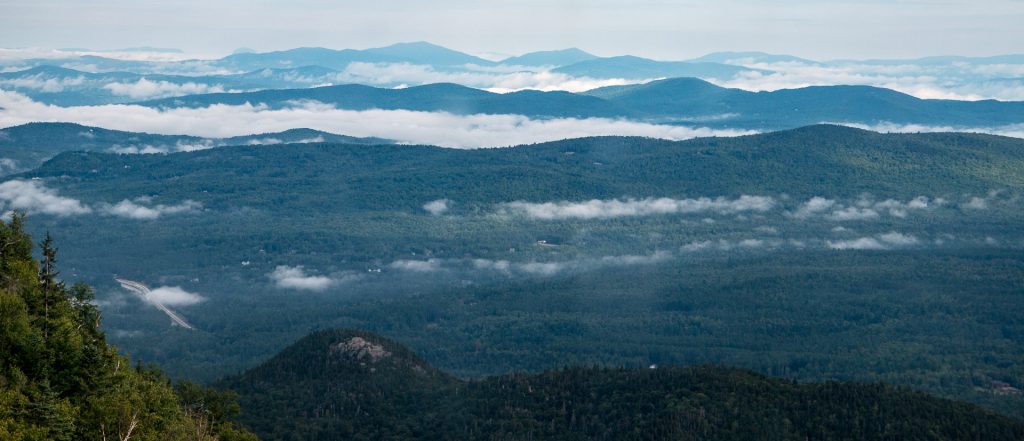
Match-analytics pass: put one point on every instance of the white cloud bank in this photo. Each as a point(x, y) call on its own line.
point(173, 296)
point(499, 79)
point(146, 89)
point(862, 209)
point(295, 277)
point(436, 128)
point(957, 81)
point(880, 242)
point(134, 209)
point(545, 269)
point(1011, 130)
point(437, 207)
point(33, 197)
point(605, 209)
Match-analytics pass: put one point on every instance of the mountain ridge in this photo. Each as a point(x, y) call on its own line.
point(348, 384)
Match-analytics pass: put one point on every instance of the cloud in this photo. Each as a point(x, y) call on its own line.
point(977, 203)
point(604, 209)
point(133, 209)
point(437, 207)
point(632, 259)
point(436, 128)
point(33, 197)
point(1011, 130)
point(125, 55)
point(534, 268)
point(295, 277)
point(863, 243)
point(965, 81)
point(879, 242)
point(173, 296)
point(814, 206)
point(862, 209)
point(146, 89)
point(273, 141)
point(43, 83)
point(853, 214)
point(499, 79)
point(8, 165)
point(419, 266)
point(548, 269)
point(898, 239)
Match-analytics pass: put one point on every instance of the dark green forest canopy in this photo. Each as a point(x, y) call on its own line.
point(345, 384)
point(934, 308)
point(819, 160)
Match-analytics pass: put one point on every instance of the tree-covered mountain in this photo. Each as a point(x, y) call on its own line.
point(751, 57)
point(346, 384)
point(814, 160)
point(413, 53)
point(451, 98)
point(27, 146)
point(687, 101)
point(562, 57)
point(637, 68)
point(60, 380)
point(819, 253)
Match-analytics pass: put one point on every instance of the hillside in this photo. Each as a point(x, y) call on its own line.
point(805, 162)
point(29, 145)
point(343, 384)
point(550, 58)
point(637, 68)
point(819, 253)
point(687, 101)
point(450, 98)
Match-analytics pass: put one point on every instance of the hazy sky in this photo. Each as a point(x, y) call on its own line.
point(661, 29)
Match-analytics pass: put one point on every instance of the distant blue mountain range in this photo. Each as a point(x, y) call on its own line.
point(672, 101)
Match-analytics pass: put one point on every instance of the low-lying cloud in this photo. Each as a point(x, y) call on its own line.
point(1011, 130)
point(147, 89)
point(532, 268)
point(173, 296)
point(957, 81)
point(863, 209)
point(437, 207)
point(136, 210)
point(43, 83)
point(605, 209)
point(295, 277)
point(880, 242)
point(505, 79)
point(418, 266)
point(33, 197)
point(436, 128)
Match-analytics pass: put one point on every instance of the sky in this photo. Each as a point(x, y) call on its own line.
point(662, 29)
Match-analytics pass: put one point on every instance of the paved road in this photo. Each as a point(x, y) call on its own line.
point(142, 291)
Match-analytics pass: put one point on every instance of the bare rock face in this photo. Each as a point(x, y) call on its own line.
point(359, 348)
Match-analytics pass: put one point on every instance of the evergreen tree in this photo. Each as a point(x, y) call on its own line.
point(59, 380)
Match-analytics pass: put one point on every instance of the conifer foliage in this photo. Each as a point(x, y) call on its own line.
point(59, 380)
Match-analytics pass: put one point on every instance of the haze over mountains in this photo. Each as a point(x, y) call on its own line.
point(409, 64)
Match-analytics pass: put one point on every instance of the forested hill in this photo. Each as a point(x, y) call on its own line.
point(688, 101)
point(353, 385)
point(26, 146)
point(805, 162)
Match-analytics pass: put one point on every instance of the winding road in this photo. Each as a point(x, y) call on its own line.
point(143, 291)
